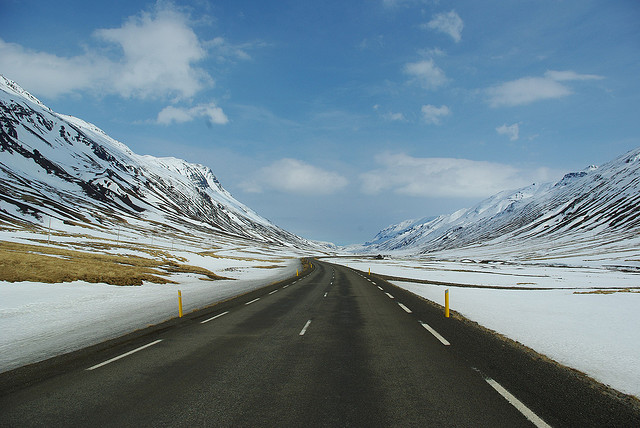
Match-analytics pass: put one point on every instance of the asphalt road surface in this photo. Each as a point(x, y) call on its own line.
point(334, 348)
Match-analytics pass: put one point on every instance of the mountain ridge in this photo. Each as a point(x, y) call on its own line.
point(599, 203)
point(60, 166)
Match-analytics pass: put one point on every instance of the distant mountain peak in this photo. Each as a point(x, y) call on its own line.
point(599, 204)
point(59, 166)
point(12, 87)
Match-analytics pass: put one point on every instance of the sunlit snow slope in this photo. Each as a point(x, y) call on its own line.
point(58, 166)
point(597, 210)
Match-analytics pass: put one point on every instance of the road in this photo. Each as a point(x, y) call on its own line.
point(333, 348)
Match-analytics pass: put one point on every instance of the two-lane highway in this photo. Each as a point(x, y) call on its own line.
point(331, 349)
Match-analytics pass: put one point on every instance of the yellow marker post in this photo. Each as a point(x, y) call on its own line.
point(297, 273)
point(180, 303)
point(446, 303)
point(369, 271)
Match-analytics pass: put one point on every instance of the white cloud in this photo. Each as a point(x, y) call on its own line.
point(426, 73)
point(160, 50)
point(50, 75)
point(211, 112)
point(294, 176)
point(433, 115)
point(399, 3)
point(431, 52)
point(561, 76)
point(449, 23)
point(390, 116)
point(156, 55)
point(527, 90)
point(223, 50)
point(512, 131)
point(444, 177)
point(394, 117)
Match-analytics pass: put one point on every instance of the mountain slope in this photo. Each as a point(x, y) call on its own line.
point(595, 207)
point(58, 166)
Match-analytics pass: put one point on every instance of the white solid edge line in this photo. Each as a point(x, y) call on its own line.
point(212, 318)
point(437, 335)
point(253, 301)
point(126, 354)
point(407, 310)
point(304, 329)
point(535, 419)
point(390, 296)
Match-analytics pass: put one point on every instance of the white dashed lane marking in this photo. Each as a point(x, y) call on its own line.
point(535, 419)
point(212, 318)
point(435, 333)
point(304, 329)
point(407, 310)
point(126, 354)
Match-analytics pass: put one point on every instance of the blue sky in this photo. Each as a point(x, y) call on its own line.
point(335, 119)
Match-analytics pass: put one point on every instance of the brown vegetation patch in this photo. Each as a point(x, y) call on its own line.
point(268, 267)
point(238, 258)
point(174, 267)
point(24, 262)
point(609, 291)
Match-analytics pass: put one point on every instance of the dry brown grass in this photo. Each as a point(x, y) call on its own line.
point(268, 267)
point(24, 262)
point(610, 291)
point(237, 258)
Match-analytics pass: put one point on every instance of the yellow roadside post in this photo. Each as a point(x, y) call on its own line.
point(369, 271)
point(446, 303)
point(297, 273)
point(180, 303)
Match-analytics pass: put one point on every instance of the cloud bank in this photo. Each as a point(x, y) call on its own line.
point(294, 176)
point(210, 112)
point(152, 55)
point(445, 177)
point(527, 90)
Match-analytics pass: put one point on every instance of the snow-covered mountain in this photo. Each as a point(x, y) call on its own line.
point(593, 208)
point(61, 167)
